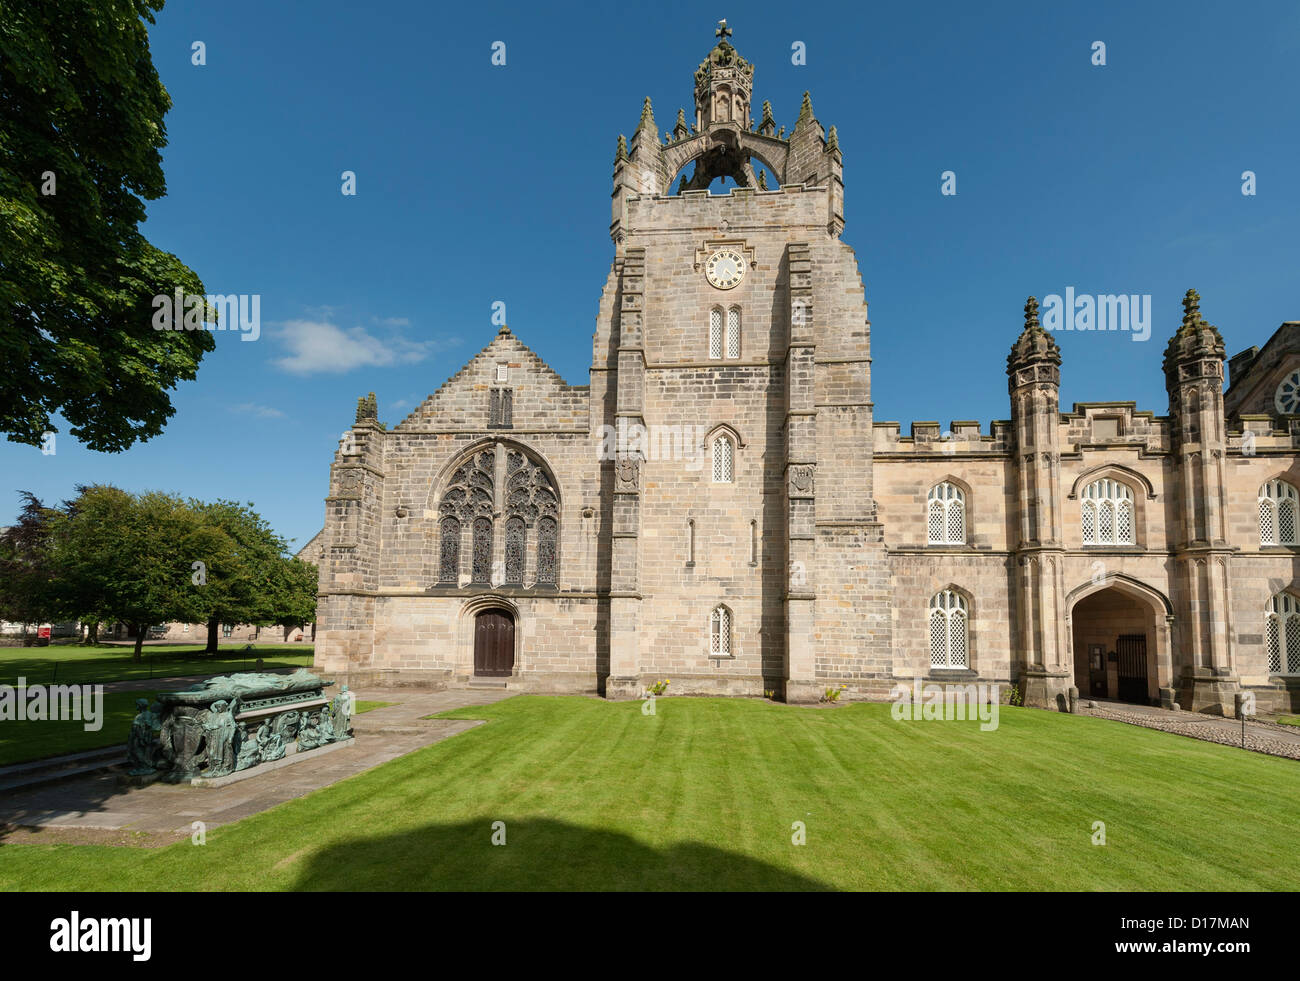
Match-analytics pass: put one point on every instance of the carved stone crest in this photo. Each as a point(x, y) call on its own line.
point(627, 473)
point(350, 484)
point(801, 481)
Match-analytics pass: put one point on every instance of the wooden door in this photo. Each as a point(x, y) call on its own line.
point(1132, 651)
point(1097, 685)
point(494, 644)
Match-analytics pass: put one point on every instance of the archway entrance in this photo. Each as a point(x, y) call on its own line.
point(494, 644)
point(1117, 636)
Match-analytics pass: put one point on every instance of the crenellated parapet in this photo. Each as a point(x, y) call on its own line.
point(931, 439)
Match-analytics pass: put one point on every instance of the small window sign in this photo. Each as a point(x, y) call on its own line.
point(503, 372)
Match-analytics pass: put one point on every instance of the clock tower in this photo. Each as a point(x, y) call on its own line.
point(732, 357)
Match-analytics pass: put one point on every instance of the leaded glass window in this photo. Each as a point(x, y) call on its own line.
point(946, 515)
point(1277, 513)
point(733, 332)
point(1282, 630)
point(449, 551)
point(548, 551)
point(715, 333)
point(482, 572)
point(723, 460)
point(516, 551)
point(720, 631)
point(1106, 513)
point(948, 633)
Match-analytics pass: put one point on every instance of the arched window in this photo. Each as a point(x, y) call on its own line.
point(1277, 513)
point(1282, 633)
point(733, 332)
point(525, 510)
point(946, 515)
point(948, 616)
point(720, 631)
point(715, 333)
point(449, 551)
point(724, 454)
point(1106, 513)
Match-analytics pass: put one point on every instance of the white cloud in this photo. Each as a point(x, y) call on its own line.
point(261, 411)
point(320, 347)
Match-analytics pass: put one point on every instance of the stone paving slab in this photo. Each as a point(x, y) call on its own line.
point(100, 802)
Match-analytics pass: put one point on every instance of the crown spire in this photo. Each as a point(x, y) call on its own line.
point(1191, 309)
point(1031, 314)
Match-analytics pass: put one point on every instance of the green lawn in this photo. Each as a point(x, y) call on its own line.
point(103, 664)
point(27, 740)
point(702, 795)
point(364, 706)
point(1289, 720)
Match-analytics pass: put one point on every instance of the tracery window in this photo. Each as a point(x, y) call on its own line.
point(528, 511)
point(1106, 513)
point(946, 515)
point(1282, 633)
point(1277, 513)
point(948, 616)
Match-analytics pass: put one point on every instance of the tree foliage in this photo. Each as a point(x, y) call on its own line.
point(141, 559)
point(81, 113)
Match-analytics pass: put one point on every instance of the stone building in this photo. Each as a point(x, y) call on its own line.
point(718, 507)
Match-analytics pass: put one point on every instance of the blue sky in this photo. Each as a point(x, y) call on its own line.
point(478, 183)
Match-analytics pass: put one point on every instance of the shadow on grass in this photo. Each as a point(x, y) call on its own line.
point(539, 854)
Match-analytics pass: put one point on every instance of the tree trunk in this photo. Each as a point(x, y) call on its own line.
point(139, 642)
point(93, 636)
point(214, 626)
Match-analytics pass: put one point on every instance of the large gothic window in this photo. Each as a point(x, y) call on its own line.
point(1106, 513)
point(1282, 634)
point(1277, 513)
point(526, 516)
point(946, 515)
point(948, 648)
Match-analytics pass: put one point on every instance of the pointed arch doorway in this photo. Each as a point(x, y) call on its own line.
point(494, 643)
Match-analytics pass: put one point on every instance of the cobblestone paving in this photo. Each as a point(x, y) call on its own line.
point(1261, 737)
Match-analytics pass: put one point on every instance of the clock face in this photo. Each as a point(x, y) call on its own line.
point(1287, 399)
point(725, 268)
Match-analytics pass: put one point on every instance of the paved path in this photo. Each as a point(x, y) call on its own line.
point(1270, 738)
point(168, 810)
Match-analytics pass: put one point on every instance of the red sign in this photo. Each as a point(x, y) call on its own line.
point(43, 633)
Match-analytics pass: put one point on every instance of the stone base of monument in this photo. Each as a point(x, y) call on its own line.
point(139, 779)
point(291, 756)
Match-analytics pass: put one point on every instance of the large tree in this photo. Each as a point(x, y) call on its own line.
point(130, 558)
point(81, 130)
point(28, 586)
point(242, 574)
